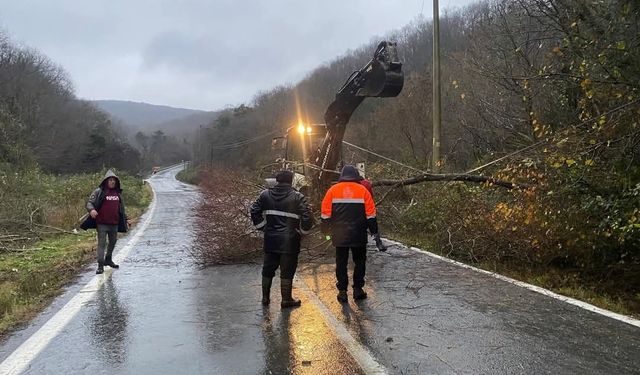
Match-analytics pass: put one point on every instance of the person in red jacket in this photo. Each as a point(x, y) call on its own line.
point(107, 214)
point(367, 184)
point(347, 212)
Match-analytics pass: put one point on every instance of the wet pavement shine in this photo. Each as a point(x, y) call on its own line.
point(160, 314)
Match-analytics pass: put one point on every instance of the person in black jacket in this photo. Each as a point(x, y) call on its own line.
point(106, 213)
point(283, 214)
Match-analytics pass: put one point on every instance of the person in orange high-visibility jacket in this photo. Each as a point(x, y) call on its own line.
point(347, 211)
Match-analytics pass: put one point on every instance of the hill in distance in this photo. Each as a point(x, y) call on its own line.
point(146, 117)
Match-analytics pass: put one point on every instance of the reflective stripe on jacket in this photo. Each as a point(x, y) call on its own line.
point(349, 209)
point(284, 215)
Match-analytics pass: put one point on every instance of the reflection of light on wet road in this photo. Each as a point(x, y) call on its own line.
point(307, 337)
point(298, 341)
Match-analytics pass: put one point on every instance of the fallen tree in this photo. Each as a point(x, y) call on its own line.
point(445, 177)
point(450, 177)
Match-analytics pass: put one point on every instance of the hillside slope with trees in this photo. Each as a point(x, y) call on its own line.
point(43, 123)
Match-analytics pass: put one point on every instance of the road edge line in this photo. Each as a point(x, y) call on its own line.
point(534, 288)
point(361, 354)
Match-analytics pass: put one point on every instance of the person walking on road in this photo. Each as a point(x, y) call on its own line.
point(107, 215)
point(283, 214)
point(347, 211)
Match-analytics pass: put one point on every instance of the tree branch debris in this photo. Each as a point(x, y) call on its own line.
point(451, 177)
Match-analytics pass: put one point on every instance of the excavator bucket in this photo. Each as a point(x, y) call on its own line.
point(383, 75)
point(383, 83)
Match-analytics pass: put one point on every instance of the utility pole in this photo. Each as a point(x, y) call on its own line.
point(436, 87)
point(199, 147)
point(211, 155)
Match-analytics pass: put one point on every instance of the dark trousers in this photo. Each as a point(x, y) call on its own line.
point(359, 255)
point(104, 231)
point(287, 263)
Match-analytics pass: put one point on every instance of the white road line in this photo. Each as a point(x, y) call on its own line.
point(364, 358)
point(537, 289)
point(21, 358)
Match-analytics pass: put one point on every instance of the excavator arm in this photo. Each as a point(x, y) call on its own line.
point(379, 78)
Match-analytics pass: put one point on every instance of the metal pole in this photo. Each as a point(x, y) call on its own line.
point(436, 86)
point(199, 149)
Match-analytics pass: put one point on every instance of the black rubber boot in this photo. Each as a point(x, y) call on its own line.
point(109, 262)
point(359, 293)
point(266, 290)
point(286, 285)
point(100, 269)
point(342, 296)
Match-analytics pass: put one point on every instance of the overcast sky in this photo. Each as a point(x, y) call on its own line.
point(200, 54)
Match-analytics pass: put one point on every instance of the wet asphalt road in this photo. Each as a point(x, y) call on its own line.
point(159, 314)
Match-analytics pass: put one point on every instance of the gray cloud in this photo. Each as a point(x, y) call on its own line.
point(198, 53)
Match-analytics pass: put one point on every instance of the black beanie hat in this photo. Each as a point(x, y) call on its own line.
point(349, 173)
point(285, 177)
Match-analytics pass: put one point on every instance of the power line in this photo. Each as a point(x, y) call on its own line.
point(243, 143)
point(383, 157)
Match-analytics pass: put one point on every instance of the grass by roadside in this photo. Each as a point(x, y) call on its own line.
point(34, 272)
point(29, 279)
point(559, 281)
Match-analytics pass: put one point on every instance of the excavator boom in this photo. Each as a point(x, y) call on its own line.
point(380, 78)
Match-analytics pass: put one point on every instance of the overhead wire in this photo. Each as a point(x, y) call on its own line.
point(244, 142)
point(383, 157)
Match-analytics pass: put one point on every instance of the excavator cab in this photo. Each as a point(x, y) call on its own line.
point(302, 142)
point(299, 143)
point(296, 149)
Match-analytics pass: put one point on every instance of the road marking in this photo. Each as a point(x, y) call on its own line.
point(21, 358)
point(537, 289)
point(364, 358)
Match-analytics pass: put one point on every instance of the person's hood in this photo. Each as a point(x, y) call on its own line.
point(349, 174)
point(107, 175)
point(280, 191)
